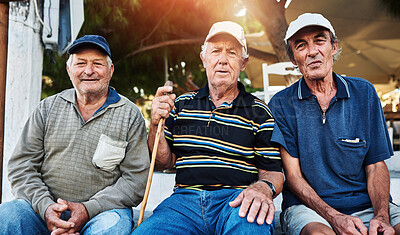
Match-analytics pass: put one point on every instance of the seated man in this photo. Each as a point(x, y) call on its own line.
point(335, 142)
point(219, 138)
point(81, 163)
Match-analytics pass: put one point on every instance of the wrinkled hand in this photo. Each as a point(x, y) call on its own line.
point(162, 104)
point(79, 217)
point(256, 199)
point(380, 224)
point(346, 224)
point(52, 217)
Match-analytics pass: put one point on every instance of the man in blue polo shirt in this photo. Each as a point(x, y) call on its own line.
point(335, 142)
point(228, 170)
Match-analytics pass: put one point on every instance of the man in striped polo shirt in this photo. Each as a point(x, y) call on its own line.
point(219, 138)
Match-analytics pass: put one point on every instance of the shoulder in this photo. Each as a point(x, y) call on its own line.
point(186, 96)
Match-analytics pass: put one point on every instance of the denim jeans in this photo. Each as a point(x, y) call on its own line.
point(189, 211)
point(18, 217)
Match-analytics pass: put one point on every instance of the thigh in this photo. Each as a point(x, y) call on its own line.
point(18, 217)
point(229, 221)
point(178, 214)
point(296, 217)
point(116, 221)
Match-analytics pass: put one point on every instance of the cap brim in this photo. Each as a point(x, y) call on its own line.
point(79, 45)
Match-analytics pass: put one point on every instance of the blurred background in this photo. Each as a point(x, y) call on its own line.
point(155, 40)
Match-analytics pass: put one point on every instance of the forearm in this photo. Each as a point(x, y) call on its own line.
point(378, 184)
point(164, 158)
point(307, 195)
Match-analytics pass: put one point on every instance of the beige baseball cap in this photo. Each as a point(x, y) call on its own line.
point(228, 27)
point(307, 19)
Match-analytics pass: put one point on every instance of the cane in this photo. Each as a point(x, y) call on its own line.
point(152, 163)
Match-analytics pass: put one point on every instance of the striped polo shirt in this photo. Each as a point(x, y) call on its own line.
point(221, 147)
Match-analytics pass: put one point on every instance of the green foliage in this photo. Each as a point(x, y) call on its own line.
point(130, 25)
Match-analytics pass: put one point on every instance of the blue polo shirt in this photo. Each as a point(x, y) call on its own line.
point(333, 146)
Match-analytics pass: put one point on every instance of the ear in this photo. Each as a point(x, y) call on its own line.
point(111, 70)
point(244, 64)
point(335, 48)
point(202, 59)
point(293, 61)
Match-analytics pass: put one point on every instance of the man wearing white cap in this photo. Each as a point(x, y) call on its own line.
point(219, 138)
point(335, 141)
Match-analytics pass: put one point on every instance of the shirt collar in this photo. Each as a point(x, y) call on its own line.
point(243, 99)
point(303, 92)
point(112, 98)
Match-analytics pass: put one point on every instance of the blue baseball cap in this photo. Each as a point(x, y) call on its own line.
point(93, 40)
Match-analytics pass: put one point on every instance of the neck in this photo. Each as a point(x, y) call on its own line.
point(324, 89)
point(89, 103)
point(220, 95)
point(325, 86)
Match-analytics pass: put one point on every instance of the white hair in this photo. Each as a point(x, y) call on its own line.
point(69, 61)
point(204, 48)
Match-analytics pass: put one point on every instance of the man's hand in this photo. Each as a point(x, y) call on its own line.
point(162, 104)
point(256, 199)
point(79, 216)
point(346, 224)
point(380, 224)
point(52, 217)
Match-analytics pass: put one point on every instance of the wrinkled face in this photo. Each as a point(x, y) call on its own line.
point(313, 52)
point(223, 61)
point(89, 72)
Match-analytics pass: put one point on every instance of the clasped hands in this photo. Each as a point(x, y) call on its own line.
point(57, 226)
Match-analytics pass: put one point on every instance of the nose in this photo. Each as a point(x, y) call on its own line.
point(222, 60)
point(89, 69)
point(312, 50)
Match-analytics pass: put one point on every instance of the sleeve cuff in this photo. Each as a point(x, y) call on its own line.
point(93, 208)
point(42, 206)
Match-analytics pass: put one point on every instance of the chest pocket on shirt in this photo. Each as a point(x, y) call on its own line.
point(353, 151)
point(109, 153)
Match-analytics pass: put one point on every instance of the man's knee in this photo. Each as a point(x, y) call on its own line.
point(117, 221)
point(315, 228)
point(15, 209)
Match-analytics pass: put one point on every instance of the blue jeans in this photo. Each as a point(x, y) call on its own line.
point(18, 217)
point(189, 211)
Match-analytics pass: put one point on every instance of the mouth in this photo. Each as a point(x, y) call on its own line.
point(222, 71)
point(315, 63)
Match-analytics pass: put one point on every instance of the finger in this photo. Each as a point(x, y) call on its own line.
point(253, 211)
point(164, 90)
point(245, 206)
point(58, 231)
point(271, 213)
point(238, 200)
point(262, 213)
point(373, 228)
point(59, 223)
point(360, 226)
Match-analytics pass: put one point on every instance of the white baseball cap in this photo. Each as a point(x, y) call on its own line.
point(228, 27)
point(307, 19)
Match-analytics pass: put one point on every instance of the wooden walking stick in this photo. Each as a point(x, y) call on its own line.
point(152, 164)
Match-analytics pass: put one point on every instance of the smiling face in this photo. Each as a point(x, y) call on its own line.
point(313, 52)
point(223, 62)
point(90, 72)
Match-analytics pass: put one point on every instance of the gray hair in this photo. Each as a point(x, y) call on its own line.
point(245, 55)
point(334, 40)
point(69, 61)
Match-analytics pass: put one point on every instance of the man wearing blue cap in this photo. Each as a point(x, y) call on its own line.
point(82, 160)
point(335, 141)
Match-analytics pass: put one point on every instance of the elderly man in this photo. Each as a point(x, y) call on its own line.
point(335, 142)
point(219, 138)
point(82, 161)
